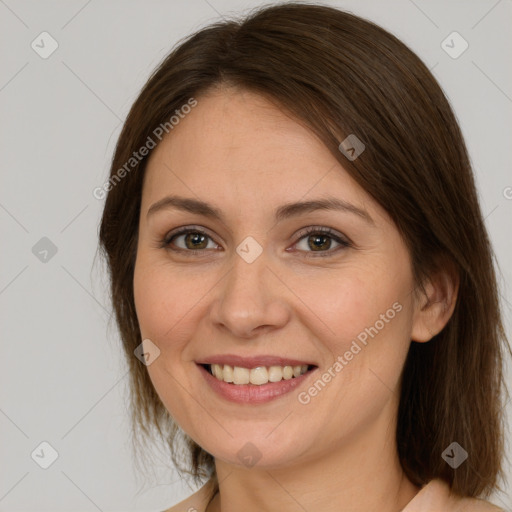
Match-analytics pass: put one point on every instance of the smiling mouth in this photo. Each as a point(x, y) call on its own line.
point(258, 376)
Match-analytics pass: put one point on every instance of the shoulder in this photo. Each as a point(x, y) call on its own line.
point(436, 496)
point(197, 502)
point(476, 505)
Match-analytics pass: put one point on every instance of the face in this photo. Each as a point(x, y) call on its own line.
point(339, 300)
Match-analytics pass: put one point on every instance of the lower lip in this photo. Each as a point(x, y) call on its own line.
point(252, 393)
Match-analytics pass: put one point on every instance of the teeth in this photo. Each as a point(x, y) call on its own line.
point(228, 373)
point(217, 371)
point(275, 373)
point(287, 372)
point(258, 376)
point(240, 375)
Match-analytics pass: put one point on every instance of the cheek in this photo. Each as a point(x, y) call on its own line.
point(361, 321)
point(149, 299)
point(161, 302)
point(164, 303)
point(346, 303)
point(362, 316)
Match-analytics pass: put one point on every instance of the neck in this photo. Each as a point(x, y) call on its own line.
point(360, 474)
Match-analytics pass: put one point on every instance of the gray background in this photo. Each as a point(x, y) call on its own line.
point(62, 377)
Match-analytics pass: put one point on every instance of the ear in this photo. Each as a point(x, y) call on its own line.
point(434, 308)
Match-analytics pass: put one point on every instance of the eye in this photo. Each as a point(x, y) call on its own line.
point(319, 240)
point(190, 240)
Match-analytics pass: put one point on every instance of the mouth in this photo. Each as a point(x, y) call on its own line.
point(258, 384)
point(258, 376)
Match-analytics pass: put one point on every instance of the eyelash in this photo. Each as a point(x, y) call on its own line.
point(166, 242)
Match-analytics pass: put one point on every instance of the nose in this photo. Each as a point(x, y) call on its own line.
point(250, 299)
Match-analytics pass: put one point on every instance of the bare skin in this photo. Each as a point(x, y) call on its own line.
point(243, 155)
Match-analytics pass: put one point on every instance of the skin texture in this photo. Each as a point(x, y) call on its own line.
point(245, 156)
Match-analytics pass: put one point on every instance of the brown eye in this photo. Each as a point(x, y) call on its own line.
point(320, 241)
point(189, 240)
point(195, 241)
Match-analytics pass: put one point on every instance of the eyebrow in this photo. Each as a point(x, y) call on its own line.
point(285, 211)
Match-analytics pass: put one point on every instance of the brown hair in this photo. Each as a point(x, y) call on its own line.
point(339, 74)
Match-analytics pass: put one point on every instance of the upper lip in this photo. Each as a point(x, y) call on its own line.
point(252, 361)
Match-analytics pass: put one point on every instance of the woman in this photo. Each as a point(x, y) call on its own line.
point(299, 264)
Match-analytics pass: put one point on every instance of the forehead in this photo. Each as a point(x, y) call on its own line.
point(240, 147)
